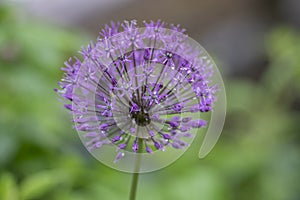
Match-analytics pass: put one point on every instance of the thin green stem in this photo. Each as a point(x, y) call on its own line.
point(134, 182)
point(135, 175)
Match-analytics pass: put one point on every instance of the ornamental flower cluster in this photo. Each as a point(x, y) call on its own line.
point(138, 88)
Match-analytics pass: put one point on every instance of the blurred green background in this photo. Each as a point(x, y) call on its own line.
point(41, 156)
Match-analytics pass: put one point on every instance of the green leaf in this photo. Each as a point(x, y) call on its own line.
point(9, 188)
point(40, 184)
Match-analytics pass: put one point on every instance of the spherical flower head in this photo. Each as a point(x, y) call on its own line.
point(139, 90)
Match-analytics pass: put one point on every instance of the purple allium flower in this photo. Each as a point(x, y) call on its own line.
point(129, 92)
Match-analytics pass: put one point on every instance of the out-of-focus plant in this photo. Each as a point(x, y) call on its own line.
point(31, 131)
point(257, 157)
point(263, 125)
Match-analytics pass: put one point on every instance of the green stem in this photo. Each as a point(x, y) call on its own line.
point(134, 182)
point(135, 175)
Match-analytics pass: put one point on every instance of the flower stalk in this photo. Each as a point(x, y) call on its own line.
point(135, 175)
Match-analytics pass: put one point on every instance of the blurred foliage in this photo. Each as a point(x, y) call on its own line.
point(41, 157)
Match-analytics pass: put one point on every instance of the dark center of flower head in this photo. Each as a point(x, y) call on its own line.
point(141, 117)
